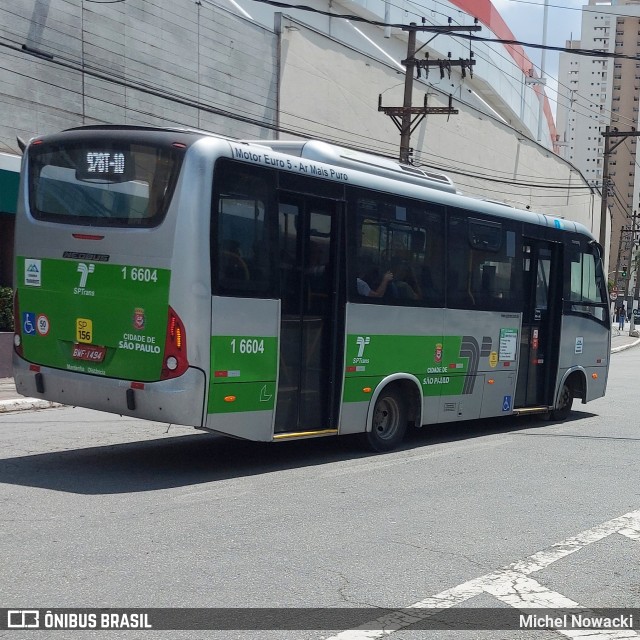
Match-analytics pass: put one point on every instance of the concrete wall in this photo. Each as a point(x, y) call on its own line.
point(141, 62)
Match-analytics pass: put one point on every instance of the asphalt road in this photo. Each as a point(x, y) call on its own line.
point(104, 511)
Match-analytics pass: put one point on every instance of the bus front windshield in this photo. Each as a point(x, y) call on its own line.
point(98, 183)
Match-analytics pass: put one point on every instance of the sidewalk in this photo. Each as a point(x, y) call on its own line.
point(621, 340)
point(10, 400)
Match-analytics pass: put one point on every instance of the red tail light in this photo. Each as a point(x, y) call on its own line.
point(175, 361)
point(17, 333)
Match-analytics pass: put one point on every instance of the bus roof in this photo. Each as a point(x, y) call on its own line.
point(367, 162)
point(364, 163)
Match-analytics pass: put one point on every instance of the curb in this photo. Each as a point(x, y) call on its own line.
point(625, 346)
point(26, 404)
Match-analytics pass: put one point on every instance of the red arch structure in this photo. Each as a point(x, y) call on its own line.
point(488, 15)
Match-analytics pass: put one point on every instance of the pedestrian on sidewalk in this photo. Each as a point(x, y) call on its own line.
point(622, 314)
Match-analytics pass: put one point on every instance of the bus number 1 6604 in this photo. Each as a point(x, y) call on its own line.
point(140, 274)
point(247, 346)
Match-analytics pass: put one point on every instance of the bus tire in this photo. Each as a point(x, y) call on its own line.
point(565, 401)
point(389, 422)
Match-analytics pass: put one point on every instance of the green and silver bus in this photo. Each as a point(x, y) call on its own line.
point(273, 290)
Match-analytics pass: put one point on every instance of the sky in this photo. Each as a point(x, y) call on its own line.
point(525, 18)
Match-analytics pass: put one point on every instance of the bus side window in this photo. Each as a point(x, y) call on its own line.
point(586, 295)
point(240, 232)
point(482, 268)
point(400, 238)
point(458, 264)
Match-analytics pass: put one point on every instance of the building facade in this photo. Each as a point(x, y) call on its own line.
point(601, 92)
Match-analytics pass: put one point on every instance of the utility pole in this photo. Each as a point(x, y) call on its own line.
point(605, 189)
point(608, 149)
point(628, 291)
point(403, 117)
point(616, 280)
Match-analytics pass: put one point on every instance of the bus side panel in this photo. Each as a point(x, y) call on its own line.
point(499, 392)
point(383, 340)
point(584, 345)
point(244, 367)
point(485, 364)
point(465, 374)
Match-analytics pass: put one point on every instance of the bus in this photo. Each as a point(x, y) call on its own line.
point(273, 290)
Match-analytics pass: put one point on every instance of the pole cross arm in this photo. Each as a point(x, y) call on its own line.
point(618, 134)
point(441, 29)
point(444, 65)
point(398, 113)
point(423, 64)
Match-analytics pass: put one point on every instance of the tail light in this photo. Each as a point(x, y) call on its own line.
point(17, 334)
point(175, 361)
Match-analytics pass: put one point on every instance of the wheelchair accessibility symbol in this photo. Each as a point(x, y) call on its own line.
point(29, 323)
point(506, 403)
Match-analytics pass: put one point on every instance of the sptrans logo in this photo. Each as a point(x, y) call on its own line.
point(362, 342)
point(84, 270)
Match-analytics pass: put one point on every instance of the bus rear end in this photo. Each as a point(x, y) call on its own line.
point(95, 321)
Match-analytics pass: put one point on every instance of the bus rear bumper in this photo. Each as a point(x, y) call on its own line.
point(176, 401)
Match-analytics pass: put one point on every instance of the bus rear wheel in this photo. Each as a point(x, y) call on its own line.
point(389, 422)
point(565, 401)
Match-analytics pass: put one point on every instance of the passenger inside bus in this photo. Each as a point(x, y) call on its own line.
point(405, 282)
point(369, 283)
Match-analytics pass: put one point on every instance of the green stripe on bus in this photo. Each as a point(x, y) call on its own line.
point(434, 360)
point(67, 306)
point(236, 397)
point(244, 367)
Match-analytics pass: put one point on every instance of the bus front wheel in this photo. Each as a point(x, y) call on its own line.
point(389, 422)
point(565, 401)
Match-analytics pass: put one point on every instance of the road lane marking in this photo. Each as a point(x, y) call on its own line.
point(523, 592)
point(502, 584)
point(631, 532)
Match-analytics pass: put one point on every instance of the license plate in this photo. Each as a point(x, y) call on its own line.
point(88, 352)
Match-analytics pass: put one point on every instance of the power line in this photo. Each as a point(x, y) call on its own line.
point(532, 185)
point(585, 8)
point(378, 23)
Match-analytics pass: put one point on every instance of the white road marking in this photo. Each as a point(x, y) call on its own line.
point(511, 585)
point(631, 532)
point(522, 592)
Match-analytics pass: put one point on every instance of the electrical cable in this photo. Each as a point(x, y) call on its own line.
point(355, 18)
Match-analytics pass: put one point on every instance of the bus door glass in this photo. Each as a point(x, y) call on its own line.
point(308, 233)
point(540, 323)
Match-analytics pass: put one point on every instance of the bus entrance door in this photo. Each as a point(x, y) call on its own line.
point(542, 279)
point(308, 325)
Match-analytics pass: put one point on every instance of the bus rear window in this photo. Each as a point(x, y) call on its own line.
point(102, 184)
